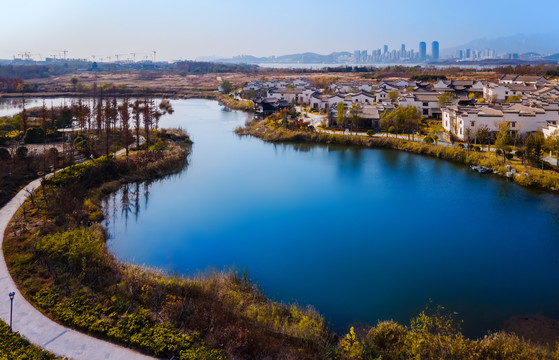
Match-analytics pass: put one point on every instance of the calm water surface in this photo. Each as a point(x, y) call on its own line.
point(360, 234)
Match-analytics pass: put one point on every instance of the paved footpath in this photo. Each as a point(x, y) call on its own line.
point(35, 326)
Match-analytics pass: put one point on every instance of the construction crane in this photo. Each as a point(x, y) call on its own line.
point(154, 53)
point(119, 55)
point(62, 51)
point(29, 55)
point(134, 56)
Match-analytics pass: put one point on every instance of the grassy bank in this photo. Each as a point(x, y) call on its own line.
point(55, 249)
point(435, 335)
point(525, 176)
point(234, 104)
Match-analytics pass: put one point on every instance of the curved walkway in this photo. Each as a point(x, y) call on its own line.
point(35, 326)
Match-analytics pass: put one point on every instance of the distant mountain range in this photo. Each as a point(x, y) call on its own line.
point(530, 45)
point(304, 58)
point(520, 43)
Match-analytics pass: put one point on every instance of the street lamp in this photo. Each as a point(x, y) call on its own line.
point(12, 294)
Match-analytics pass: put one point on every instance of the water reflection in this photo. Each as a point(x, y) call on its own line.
point(350, 162)
point(380, 231)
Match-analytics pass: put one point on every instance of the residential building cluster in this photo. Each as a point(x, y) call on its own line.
point(525, 103)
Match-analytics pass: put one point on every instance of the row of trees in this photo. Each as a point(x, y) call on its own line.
point(102, 124)
point(402, 120)
point(118, 123)
point(531, 146)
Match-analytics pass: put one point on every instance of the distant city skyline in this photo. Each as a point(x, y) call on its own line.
point(191, 29)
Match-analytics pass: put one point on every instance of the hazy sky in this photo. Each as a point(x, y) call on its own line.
point(185, 29)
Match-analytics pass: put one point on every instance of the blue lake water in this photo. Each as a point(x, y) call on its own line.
point(360, 234)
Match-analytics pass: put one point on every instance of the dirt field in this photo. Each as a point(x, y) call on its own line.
point(173, 84)
point(163, 82)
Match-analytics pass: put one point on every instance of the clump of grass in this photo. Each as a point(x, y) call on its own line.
point(434, 335)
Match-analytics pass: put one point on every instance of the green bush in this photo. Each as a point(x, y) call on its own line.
point(477, 148)
point(509, 156)
point(434, 336)
point(4, 154)
point(34, 136)
point(21, 152)
point(82, 144)
point(158, 146)
point(519, 154)
point(428, 139)
point(135, 328)
point(370, 132)
point(13, 346)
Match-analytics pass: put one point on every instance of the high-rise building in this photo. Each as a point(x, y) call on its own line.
point(422, 51)
point(468, 54)
point(403, 48)
point(385, 49)
point(364, 56)
point(435, 51)
point(357, 55)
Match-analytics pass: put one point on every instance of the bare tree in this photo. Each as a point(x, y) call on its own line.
point(137, 111)
point(126, 137)
point(147, 118)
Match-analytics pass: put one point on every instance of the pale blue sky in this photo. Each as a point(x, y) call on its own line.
point(188, 29)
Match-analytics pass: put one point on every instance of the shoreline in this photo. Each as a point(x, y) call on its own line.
point(529, 177)
point(399, 330)
point(291, 334)
point(246, 106)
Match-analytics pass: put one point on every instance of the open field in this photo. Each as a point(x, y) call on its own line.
point(178, 84)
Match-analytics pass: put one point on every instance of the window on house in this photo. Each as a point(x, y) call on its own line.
point(512, 124)
point(472, 123)
point(460, 131)
point(425, 104)
point(425, 111)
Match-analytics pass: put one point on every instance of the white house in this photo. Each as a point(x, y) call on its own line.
point(369, 116)
point(523, 79)
point(365, 87)
point(306, 95)
point(292, 96)
point(320, 101)
point(499, 93)
point(467, 121)
point(381, 94)
point(361, 97)
point(550, 130)
point(253, 85)
point(441, 85)
point(462, 121)
point(426, 102)
point(301, 83)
